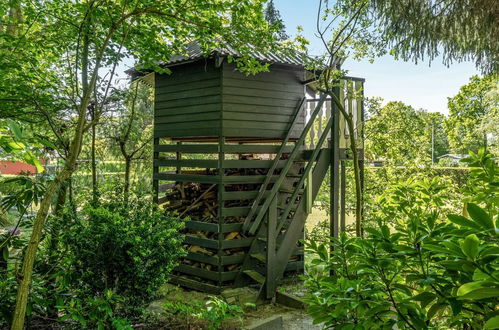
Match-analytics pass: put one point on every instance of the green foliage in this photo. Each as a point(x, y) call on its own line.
point(397, 134)
point(417, 268)
point(95, 312)
point(130, 123)
point(210, 315)
point(483, 186)
point(218, 310)
point(472, 113)
point(25, 191)
point(37, 305)
point(420, 30)
point(97, 267)
point(273, 17)
point(435, 129)
point(14, 143)
point(128, 249)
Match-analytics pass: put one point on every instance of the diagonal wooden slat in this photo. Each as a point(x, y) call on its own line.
point(263, 187)
point(308, 168)
point(252, 227)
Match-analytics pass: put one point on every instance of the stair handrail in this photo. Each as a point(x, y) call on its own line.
point(275, 188)
point(268, 177)
point(304, 175)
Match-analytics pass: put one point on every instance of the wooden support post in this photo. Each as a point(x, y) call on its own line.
point(343, 189)
point(334, 168)
point(362, 178)
point(179, 157)
point(271, 284)
point(360, 85)
point(155, 171)
point(308, 192)
point(221, 158)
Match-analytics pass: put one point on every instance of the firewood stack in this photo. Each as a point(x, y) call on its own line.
point(196, 201)
point(199, 202)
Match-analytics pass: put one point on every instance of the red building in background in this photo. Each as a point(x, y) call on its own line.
point(17, 167)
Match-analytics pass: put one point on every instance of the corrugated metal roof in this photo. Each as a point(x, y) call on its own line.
point(193, 51)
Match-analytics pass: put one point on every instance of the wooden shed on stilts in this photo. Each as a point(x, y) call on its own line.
point(243, 157)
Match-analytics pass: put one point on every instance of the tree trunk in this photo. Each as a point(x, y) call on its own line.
point(61, 197)
point(39, 221)
point(356, 168)
point(30, 254)
point(54, 243)
point(126, 188)
point(95, 193)
point(15, 15)
point(3, 262)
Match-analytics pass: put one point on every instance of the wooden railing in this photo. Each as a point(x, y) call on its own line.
point(351, 96)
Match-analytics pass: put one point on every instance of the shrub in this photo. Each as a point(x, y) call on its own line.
point(211, 315)
point(417, 268)
point(95, 312)
point(129, 249)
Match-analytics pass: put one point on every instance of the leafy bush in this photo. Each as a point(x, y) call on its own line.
point(417, 268)
point(95, 312)
point(211, 315)
point(129, 249)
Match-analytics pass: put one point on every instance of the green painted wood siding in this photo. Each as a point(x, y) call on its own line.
point(261, 105)
point(198, 100)
point(188, 101)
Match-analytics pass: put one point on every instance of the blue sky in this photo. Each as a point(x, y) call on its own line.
point(421, 86)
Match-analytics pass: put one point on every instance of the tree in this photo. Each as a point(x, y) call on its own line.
point(469, 112)
point(273, 17)
point(398, 134)
point(131, 130)
point(490, 121)
point(435, 127)
point(335, 38)
point(459, 30)
point(74, 47)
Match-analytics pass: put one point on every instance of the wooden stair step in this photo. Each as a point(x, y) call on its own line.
point(255, 275)
point(298, 251)
point(283, 207)
point(260, 257)
point(290, 191)
point(293, 175)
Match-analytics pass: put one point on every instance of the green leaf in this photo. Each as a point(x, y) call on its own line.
point(46, 143)
point(453, 247)
point(425, 298)
point(59, 303)
point(470, 246)
point(462, 221)
point(480, 216)
point(478, 275)
point(434, 309)
point(491, 251)
point(483, 293)
point(455, 305)
point(31, 159)
point(15, 129)
point(436, 248)
point(478, 290)
point(492, 323)
point(373, 232)
point(5, 253)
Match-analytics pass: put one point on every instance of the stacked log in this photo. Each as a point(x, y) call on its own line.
point(199, 202)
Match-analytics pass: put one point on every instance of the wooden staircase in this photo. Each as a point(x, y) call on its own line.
point(269, 255)
point(278, 214)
